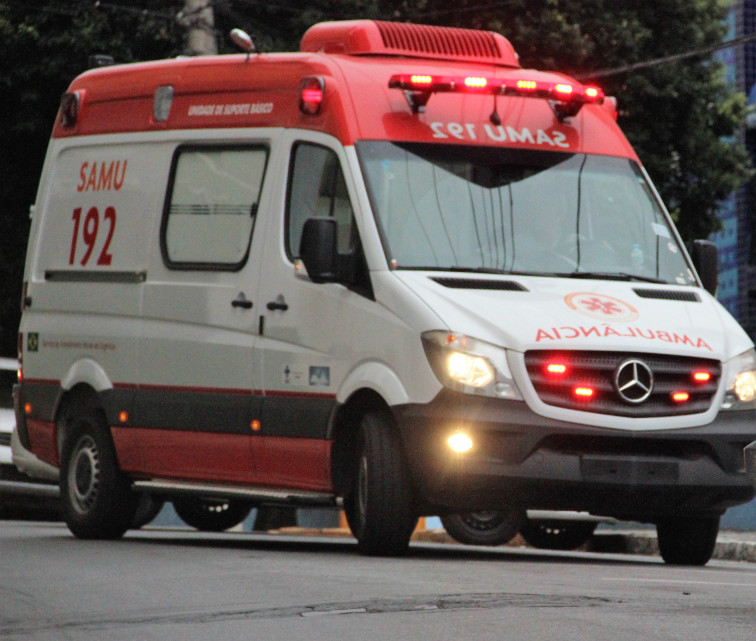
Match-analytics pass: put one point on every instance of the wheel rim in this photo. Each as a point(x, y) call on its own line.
point(484, 520)
point(84, 475)
point(215, 507)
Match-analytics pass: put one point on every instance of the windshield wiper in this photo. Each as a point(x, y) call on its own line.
point(475, 270)
point(613, 276)
point(624, 276)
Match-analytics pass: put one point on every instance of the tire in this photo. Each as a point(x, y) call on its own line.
point(687, 541)
point(378, 505)
point(493, 527)
point(96, 498)
point(148, 507)
point(556, 534)
point(211, 515)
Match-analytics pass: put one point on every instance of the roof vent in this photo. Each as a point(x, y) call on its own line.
point(372, 37)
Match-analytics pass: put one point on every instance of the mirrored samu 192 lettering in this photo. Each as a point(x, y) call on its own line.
point(500, 133)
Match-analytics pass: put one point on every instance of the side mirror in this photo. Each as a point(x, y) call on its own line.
point(317, 249)
point(704, 255)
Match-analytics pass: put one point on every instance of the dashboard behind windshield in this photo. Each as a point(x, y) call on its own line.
point(453, 207)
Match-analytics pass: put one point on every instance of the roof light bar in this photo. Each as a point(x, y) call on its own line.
point(568, 97)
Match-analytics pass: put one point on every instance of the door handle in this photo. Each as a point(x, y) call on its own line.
point(241, 302)
point(278, 304)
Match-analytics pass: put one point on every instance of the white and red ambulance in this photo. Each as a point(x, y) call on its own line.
point(393, 271)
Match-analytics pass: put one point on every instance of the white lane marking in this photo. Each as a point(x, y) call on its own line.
point(321, 613)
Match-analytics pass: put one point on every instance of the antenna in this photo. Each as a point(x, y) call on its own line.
point(243, 40)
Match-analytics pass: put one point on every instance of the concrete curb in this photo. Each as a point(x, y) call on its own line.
point(731, 546)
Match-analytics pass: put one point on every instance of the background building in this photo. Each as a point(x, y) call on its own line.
point(737, 240)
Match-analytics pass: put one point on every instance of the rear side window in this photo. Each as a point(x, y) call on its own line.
point(211, 206)
point(317, 188)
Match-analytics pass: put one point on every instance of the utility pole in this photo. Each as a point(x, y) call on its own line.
point(197, 18)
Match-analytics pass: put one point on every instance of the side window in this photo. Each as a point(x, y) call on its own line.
point(211, 206)
point(317, 188)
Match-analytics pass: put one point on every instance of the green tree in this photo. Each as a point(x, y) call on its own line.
point(43, 46)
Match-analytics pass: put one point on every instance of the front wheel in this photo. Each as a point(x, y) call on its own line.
point(378, 504)
point(492, 527)
point(211, 515)
point(96, 498)
point(687, 541)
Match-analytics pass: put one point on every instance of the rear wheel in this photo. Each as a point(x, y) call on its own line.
point(148, 508)
point(492, 527)
point(211, 515)
point(554, 534)
point(96, 497)
point(687, 541)
point(379, 503)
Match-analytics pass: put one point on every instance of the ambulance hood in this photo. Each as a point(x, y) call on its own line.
point(530, 312)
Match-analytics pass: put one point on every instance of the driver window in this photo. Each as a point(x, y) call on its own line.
point(317, 188)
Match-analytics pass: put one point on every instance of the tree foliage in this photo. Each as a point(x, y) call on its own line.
point(681, 117)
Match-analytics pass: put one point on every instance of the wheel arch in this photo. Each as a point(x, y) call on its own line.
point(83, 386)
point(79, 398)
point(344, 432)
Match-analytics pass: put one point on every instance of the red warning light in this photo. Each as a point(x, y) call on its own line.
point(422, 81)
point(556, 368)
point(527, 85)
point(475, 82)
point(701, 376)
point(680, 397)
point(583, 393)
point(311, 92)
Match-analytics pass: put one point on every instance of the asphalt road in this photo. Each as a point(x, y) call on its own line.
point(182, 585)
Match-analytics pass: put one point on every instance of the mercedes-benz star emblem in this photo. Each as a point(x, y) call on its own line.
point(634, 381)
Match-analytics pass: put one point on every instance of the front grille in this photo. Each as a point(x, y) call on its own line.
point(5, 438)
point(597, 371)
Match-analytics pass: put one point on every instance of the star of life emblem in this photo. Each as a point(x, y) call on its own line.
point(601, 307)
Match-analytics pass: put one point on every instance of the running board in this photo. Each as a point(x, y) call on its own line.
point(262, 495)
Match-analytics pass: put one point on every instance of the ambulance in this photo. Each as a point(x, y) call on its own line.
point(393, 272)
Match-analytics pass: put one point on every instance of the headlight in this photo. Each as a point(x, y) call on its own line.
point(741, 384)
point(469, 365)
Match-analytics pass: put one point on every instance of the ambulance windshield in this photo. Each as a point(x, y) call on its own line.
point(454, 207)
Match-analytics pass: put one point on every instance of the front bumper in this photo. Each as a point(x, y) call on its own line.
point(750, 462)
point(521, 458)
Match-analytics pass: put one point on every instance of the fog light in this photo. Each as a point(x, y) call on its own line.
point(460, 442)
